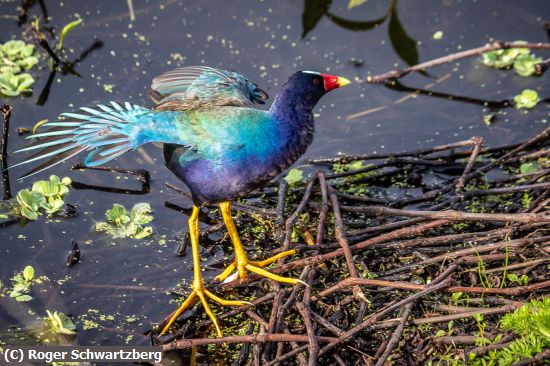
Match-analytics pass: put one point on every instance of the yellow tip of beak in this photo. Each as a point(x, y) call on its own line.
point(343, 82)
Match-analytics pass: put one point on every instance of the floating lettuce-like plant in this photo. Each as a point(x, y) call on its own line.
point(295, 177)
point(44, 195)
point(521, 59)
point(60, 323)
point(11, 85)
point(121, 224)
point(16, 57)
point(525, 64)
point(527, 99)
point(22, 283)
point(503, 58)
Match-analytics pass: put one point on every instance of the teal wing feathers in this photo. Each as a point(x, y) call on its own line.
point(105, 132)
point(195, 87)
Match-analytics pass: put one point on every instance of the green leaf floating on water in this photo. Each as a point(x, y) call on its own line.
point(22, 283)
point(28, 273)
point(17, 53)
point(121, 224)
point(117, 215)
point(501, 59)
point(438, 35)
point(294, 177)
point(525, 64)
point(60, 323)
point(140, 213)
point(12, 85)
point(521, 59)
point(44, 196)
point(16, 56)
point(527, 99)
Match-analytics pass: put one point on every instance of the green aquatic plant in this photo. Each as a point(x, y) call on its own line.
point(15, 57)
point(437, 35)
point(60, 323)
point(46, 196)
point(521, 59)
point(11, 85)
point(22, 283)
point(355, 165)
point(527, 99)
point(121, 223)
point(529, 168)
point(524, 65)
point(66, 29)
point(295, 177)
point(503, 58)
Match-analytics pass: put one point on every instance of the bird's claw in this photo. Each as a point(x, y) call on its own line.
point(239, 267)
point(202, 294)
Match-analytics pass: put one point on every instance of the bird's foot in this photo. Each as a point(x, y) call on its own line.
point(242, 265)
point(202, 293)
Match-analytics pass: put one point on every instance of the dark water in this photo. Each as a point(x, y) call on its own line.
point(266, 41)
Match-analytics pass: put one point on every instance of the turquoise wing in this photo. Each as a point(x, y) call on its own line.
point(196, 87)
point(226, 134)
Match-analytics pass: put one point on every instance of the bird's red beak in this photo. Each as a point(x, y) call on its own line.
point(333, 82)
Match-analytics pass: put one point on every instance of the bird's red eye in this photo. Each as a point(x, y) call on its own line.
point(316, 81)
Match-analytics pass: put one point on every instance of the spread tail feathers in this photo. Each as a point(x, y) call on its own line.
point(105, 131)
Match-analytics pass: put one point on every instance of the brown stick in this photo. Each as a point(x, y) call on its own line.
point(6, 114)
point(255, 338)
point(403, 232)
point(544, 355)
point(533, 262)
point(376, 317)
point(342, 239)
point(396, 74)
point(396, 336)
point(446, 318)
point(462, 339)
point(452, 215)
point(324, 208)
point(287, 355)
point(326, 324)
point(349, 282)
point(289, 224)
point(429, 150)
point(304, 309)
point(478, 143)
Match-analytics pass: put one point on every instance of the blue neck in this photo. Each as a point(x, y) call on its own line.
point(294, 107)
point(293, 111)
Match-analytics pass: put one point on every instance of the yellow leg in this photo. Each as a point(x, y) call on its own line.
point(198, 289)
point(241, 262)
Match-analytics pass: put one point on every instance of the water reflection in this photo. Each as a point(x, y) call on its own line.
point(402, 43)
